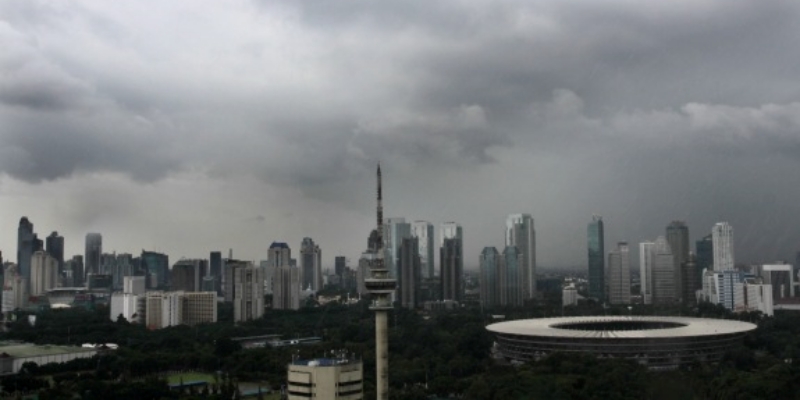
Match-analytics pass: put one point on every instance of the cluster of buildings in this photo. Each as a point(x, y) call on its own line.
point(669, 273)
point(508, 278)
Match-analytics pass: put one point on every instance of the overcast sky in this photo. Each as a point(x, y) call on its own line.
point(190, 126)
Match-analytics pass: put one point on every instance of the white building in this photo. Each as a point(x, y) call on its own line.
point(722, 242)
point(423, 231)
point(646, 271)
point(521, 234)
point(165, 309)
point(15, 290)
point(44, 273)
point(755, 296)
point(133, 285)
point(569, 296)
point(719, 287)
point(248, 300)
point(337, 378)
point(619, 275)
point(127, 305)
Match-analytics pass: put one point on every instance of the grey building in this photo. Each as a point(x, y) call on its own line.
point(521, 234)
point(596, 250)
point(490, 275)
point(94, 249)
point(663, 280)
point(423, 231)
point(452, 269)
point(248, 301)
point(394, 231)
point(410, 273)
point(311, 265)
point(678, 239)
point(54, 244)
point(26, 246)
point(619, 275)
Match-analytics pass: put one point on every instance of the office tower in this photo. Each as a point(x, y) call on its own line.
point(311, 265)
point(664, 290)
point(704, 249)
point(94, 248)
point(279, 254)
point(156, 265)
point(409, 280)
point(521, 234)
point(187, 275)
point(248, 301)
point(722, 241)
point(678, 239)
point(75, 266)
point(381, 287)
point(512, 280)
point(597, 254)
point(646, 260)
point(26, 244)
point(133, 284)
point(128, 305)
point(451, 269)
point(55, 247)
point(215, 270)
point(719, 287)
point(44, 273)
point(619, 275)
point(122, 267)
point(691, 280)
point(423, 231)
point(339, 265)
point(15, 289)
point(336, 378)
point(286, 288)
point(490, 283)
point(229, 287)
point(450, 230)
point(395, 230)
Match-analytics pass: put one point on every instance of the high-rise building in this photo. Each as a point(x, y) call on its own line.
point(54, 244)
point(704, 249)
point(597, 254)
point(187, 275)
point(452, 269)
point(44, 273)
point(26, 246)
point(311, 265)
point(722, 238)
point(512, 282)
point(94, 248)
point(339, 265)
point(691, 280)
point(286, 288)
point(395, 230)
point(156, 266)
point(409, 281)
point(678, 239)
point(229, 287)
point(490, 275)
point(133, 285)
point(781, 279)
point(279, 254)
point(75, 268)
point(663, 273)
point(423, 231)
point(15, 289)
point(646, 259)
point(121, 267)
point(521, 234)
point(248, 301)
point(619, 275)
point(215, 270)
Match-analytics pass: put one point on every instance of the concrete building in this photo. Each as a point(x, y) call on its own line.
point(199, 308)
point(94, 249)
point(619, 275)
point(781, 278)
point(646, 259)
point(663, 276)
point(719, 287)
point(187, 275)
point(215, 270)
point(520, 233)
point(423, 231)
point(128, 305)
point(452, 269)
point(286, 288)
point(311, 265)
point(756, 296)
point(17, 354)
point(326, 379)
point(133, 284)
point(512, 279)
point(231, 266)
point(54, 245)
point(597, 253)
point(26, 246)
point(569, 296)
point(156, 266)
point(722, 242)
point(248, 301)
point(15, 290)
point(165, 309)
point(44, 273)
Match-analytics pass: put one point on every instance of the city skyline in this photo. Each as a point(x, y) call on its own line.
point(247, 123)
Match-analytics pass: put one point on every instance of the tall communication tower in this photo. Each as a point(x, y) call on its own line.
point(381, 287)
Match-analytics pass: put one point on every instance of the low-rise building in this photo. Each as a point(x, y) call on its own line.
point(338, 378)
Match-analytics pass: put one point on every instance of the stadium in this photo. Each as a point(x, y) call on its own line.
point(657, 342)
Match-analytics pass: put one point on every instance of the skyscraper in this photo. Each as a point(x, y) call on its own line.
point(248, 301)
point(26, 245)
point(704, 249)
point(409, 281)
point(664, 286)
point(187, 275)
point(678, 239)
point(490, 283)
point(215, 269)
point(311, 264)
point(423, 231)
point(395, 230)
point(722, 238)
point(646, 259)
point(94, 248)
point(521, 234)
point(279, 254)
point(339, 265)
point(511, 279)
point(619, 275)
point(286, 288)
point(597, 251)
point(156, 266)
point(451, 269)
point(55, 247)
point(44, 273)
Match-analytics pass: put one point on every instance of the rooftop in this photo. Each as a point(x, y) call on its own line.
point(325, 362)
point(20, 350)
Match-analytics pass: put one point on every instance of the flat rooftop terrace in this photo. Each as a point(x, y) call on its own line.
point(21, 350)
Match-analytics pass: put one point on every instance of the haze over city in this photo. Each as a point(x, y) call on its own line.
point(195, 126)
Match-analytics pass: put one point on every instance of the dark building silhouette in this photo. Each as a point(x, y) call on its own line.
point(451, 267)
point(55, 247)
point(26, 246)
point(704, 256)
point(156, 267)
point(678, 239)
point(410, 273)
point(215, 270)
point(597, 269)
point(340, 263)
point(94, 250)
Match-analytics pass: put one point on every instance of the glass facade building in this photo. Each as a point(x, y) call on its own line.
point(596, 245)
